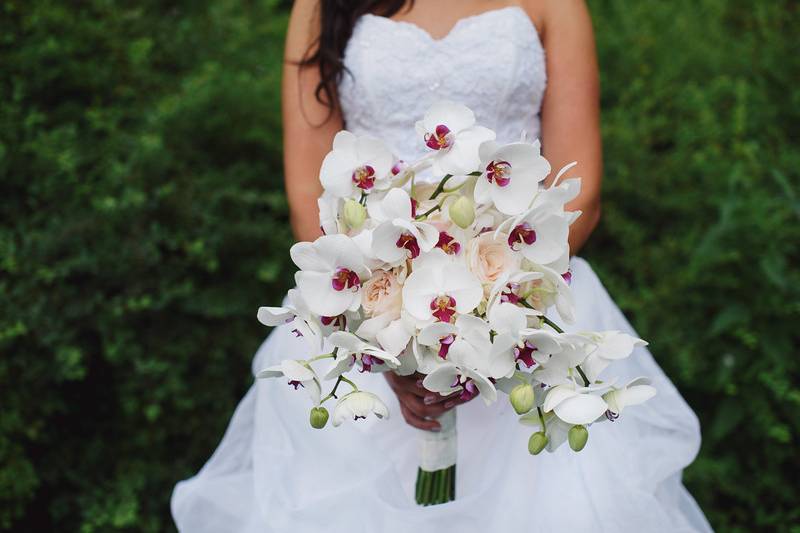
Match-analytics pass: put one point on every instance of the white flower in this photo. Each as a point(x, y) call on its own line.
point(635, 392)
point(355, 165)
point(465, 343)
point(299, 375)
point(511, 176)
point(398, 236)
point(329, 214)
point(550, 289)
point(575, 405)
point(353, 350)
point(449, 378)
point(449, 129)
point(297, 315)
point(440, 289)
point(541, 237)
point(331, 270)
point(358, 404)
point(610, 346)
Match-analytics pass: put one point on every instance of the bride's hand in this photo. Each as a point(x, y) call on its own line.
point(419, 405)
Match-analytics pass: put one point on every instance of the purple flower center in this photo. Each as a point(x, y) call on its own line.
point(567, 276)
point(338, 321)
point(444, 345)
point(297, 332)
point(469, 389)
point(524, 354)
point(398, 167)
point(344, 278)
point(499, 172)
point(509, 296)
point(448, 244)
point(364, 177)
point(611, 415)
point(367, 361)
point(522, 233)
point(440, 139)
point(443, 307)
point(294, 383)
point(409, 242)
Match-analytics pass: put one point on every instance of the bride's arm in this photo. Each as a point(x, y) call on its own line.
point(571, 109)
point(308, 130)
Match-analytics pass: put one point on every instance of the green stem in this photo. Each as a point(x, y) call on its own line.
point(583, 376)
point(355, 388)
point(428, 212)
point(541, 418)
point(323, 356)
point(440, 187)
point(552, 324)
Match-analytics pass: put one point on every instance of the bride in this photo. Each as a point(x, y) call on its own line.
point(374, 67)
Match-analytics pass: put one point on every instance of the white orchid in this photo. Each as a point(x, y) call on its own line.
point(298, 374)
point(551, 289)
point(399, 237)
point(358, 405)
point(449, 129)
point(634, 392)
point(541, 237)
point(466, 342)
point(511, 176)
point(297, 316)
point(356, 165)
point(610, 346)
point(450, 378)
point(440, 289)
point(331, 270)
point(353, 350)
point(574, 404)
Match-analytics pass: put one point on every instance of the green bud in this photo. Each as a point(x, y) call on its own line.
point(354, 214)
point(578, 435)
point(537, 442)
point(462, 212)
point(522, 398)
point(319, 417)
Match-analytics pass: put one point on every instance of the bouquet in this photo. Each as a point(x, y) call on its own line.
point(453, 279)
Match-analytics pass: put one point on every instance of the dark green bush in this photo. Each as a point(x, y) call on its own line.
point(142, 221)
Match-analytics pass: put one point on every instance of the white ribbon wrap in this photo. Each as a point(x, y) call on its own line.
point(438, 449)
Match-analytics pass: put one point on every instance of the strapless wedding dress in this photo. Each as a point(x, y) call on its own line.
point(272, 472)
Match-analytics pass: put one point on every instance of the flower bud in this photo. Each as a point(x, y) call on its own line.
point(522, 398)
point(462, 212)
point(354, 214)
point(319, 417)
point(537, 442)
point(577, 436)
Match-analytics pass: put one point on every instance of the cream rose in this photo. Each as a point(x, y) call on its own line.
point(383, 293)
point(488, 258)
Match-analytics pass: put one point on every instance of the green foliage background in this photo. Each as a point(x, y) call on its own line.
point(142, 221)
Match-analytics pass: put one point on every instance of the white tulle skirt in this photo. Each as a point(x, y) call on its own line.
point(273, 472)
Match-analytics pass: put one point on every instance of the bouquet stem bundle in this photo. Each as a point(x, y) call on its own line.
point(436, 487)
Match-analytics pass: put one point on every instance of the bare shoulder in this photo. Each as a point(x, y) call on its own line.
point(555, 15)
point(303, 28)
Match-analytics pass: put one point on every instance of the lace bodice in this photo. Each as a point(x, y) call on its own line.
point(492, 62)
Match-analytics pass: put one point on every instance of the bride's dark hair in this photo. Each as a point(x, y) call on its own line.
point(337, 20)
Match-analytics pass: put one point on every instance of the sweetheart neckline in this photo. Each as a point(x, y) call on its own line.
point(460, 23)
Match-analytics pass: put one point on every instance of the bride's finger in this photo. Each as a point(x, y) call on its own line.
point(417, 421)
